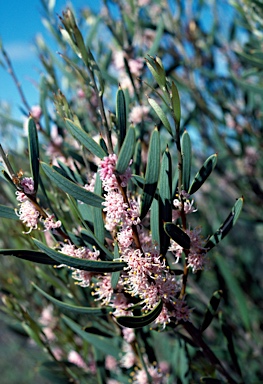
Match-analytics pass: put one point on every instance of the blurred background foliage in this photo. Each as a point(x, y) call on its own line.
point(213, 52)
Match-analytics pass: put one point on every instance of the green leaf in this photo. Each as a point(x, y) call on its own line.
point(115, 275)
point(228, 333)
point(157, 70)
point(11, 121)
point(29, 255)
point(210, 380)
point(43, 103)
point(165, 199)
point(33, 151)
point(138, 180)
point(96, 70)
point(176, 105)
point(71, 188)
point(8, 212)
point(99, 230)
point(178, 235)
point(154, 220)
point(152, 173)
point(203, 173)
point(187, 159)
point(211, 309)
point(88, 233)
point(158, 37)
point(227, 225)
point(85, 139)
point(235, 289)
point(105, 344)
point(126, 152)
point(83, 264)
point(137, 157)
point(96, 311)
point(121, 116)
point(161, 114)
point(140, 321)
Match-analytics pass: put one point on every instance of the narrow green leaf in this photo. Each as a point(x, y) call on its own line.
point(211, 310)
point(157, 71)
point(68, 173)
point(137, 158)
point(178, 235)
point(176, 105)
point(115, 275)
point(8, 212)
point(83, 264)
point(96, 311)
point(152, 173)
point(140, 321)
point(121, 116)
point(126, 152)
point(105, 344)
point(158, 37)
point(29, 255)
point(165, 199)
point(71, 188)
point(43, 103)
point(84, 138)
point(33, 151)
point(96, 70)
point(227, 225)
point(99, 230)
point(203, 173)
point(154, 220)
point(187, 159)
point(12, 121)
point(138, 180)
point(88, 233)
point(235, 290)
point(228, 333)
point(161, 114)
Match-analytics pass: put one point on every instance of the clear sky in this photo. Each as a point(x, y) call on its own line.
point(20, 21)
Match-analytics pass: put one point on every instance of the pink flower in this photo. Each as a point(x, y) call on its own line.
point(143, 3)
point(75, 358)
point(49, 223)
point(115, 209)
point(138, 113)
point(36, 112)
point(83, 277)
point(81, 94)
point(111, 363)
point(181, 310)
point(136, 66)
point(129, 358)
point(29, 215)
point(157, 377)
point(107, 168)
point(27, 184)
point(196, 257)
point(128, 334)
point(103, 289)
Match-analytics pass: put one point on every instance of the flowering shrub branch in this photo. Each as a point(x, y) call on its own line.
point(110, 206)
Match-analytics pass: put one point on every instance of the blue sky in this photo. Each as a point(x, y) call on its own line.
point(20, 22)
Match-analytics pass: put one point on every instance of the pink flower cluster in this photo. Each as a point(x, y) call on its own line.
point(28, 212)
point(135, 67)
point(146, 275)
point(83, 277)
point(196, 258)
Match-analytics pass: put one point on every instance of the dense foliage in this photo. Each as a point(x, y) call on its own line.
point(134, 166)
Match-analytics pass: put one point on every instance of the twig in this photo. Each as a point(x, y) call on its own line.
point(16, 81)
